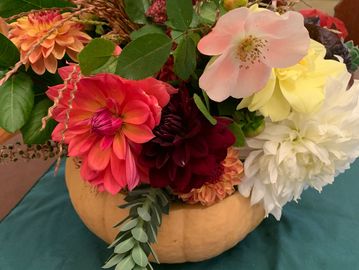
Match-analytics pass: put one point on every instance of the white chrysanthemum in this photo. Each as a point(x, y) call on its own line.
point(306, 150)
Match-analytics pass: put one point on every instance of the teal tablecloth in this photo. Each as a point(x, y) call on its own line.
point(322, 232)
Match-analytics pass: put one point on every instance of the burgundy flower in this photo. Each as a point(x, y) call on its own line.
point(187, 151)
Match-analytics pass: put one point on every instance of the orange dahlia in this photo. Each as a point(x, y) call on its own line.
point(211, 193)
point(68, 38)
point(4, 28)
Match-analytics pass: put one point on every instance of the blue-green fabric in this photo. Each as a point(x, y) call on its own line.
point(322, 232)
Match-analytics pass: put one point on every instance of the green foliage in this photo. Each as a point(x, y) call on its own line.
point(251, 123)
point(354, 53)
point(12, 7)
point(96, 56)
point(238, 133)
point(185, 58)
point(136, 10)
point(31, 132)
point(144, 56)
point(9, 54)
point(138, 231)
point(180, 13)
point(204, 110)
point(147, 29)
point(16, 102)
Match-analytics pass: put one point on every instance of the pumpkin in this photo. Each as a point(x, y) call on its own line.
point(4, 136)
point(190, 233)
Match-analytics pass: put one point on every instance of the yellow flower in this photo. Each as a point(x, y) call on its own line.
point(298, 88)
point(29, 30)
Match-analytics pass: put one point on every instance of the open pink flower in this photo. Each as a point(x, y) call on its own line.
point(247, 44)
point(110, 118)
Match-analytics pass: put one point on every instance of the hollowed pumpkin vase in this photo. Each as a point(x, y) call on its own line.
point(190, 233)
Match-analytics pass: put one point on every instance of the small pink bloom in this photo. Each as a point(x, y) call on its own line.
point(110, 118)
point(247, 45)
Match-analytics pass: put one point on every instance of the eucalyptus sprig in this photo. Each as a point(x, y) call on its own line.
point(138, 230)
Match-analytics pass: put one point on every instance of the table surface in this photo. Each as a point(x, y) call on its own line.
point(321, 232)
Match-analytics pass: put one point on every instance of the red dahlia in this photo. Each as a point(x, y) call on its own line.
point(187, 151)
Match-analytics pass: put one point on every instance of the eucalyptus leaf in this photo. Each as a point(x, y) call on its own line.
point(185, 58)
point(153, 253)
point(31, 132)
point(139, 234)
point(157, 213)
point(136, 10)
point(144, 56)
point(202, 107)
point(126, 264)
point(129, 225)
point(16, 102)
point(180, 13)
point(139, 256)
point(139, 268)
point(122, 236)
point(125, 246)
point(143, 214)
point(95, 55)
point(12, 7)
point(151, 233)
point(114, 260)
point(9, 54)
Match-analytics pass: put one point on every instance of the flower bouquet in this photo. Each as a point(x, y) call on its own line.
point(182, 118)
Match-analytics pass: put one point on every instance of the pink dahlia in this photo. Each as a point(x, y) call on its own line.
point(247, 44)
point(212, 192)
point(29, 30)
point(110, 118)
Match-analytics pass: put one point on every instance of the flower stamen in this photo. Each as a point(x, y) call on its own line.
point(249, 50)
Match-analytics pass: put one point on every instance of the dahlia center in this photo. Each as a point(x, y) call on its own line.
point(249, 50)
point(105, 123)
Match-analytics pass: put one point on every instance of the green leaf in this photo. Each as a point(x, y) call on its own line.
point(125, 246)
point(180, 13)
point(31, 132)
point(139, 268)
point(139, 256)
point(12, 7)
point(95, 55)
point(151, 233)
point(16, 102)
point(153, 253)
point(136, 10)
point(9, 54)
point(144, 56)
point(238, 133)
point(157, 213)
point(143, 214)
point(129, 225)
point(121, 236)
point(126, 264)
point(139, 234)
point(185, 57)
point(208, 12)
point(145, 30)
point(202, 107)
point(114, 260)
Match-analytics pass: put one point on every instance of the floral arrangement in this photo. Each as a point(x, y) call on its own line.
point(182, 101)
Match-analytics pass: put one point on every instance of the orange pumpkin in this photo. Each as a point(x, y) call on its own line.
point(190, 233)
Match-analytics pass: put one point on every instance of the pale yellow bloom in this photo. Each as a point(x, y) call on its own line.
point(298, 88)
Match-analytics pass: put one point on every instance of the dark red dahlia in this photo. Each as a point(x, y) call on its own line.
point(187, 151)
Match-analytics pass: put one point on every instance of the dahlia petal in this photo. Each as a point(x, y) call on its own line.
point(51, 64)
point(35, 55)
point(99, 158)
point(219, 78)
point(77, 46)
point(86, 172)
point(72, 54)
point(138, 134)
point(65, 40)
point(106, 142)
point(80, 145)
point(158, 89)
point(118, 169)
point(46, 52)
point(217, 41)
point(39, 66)
point(132, 175)
point(135, 112)
point(120, 145)
point(48, 43)
point(110, 183)
point(59, 52)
